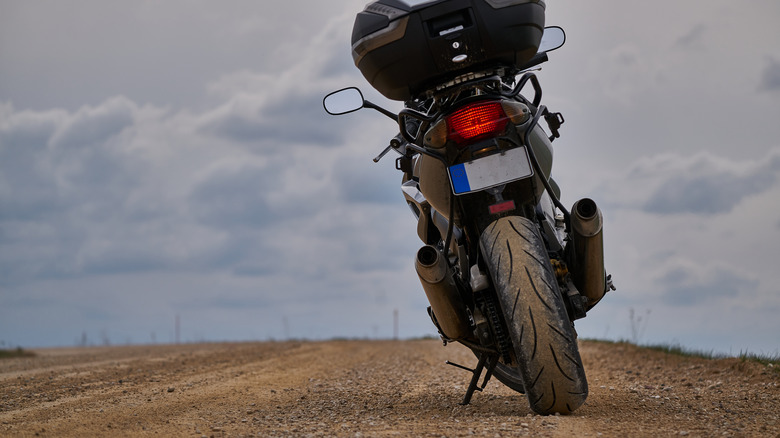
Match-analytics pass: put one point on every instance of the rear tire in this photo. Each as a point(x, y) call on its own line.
point(509, 376)
point(543, 338)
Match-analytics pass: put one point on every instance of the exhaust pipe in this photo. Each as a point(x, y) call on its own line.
point(446, 303)
point(587, 257)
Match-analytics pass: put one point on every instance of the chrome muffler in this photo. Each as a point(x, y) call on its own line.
point(586, 260)
point(446, 303)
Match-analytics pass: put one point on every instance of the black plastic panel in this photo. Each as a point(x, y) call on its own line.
point(438, 41)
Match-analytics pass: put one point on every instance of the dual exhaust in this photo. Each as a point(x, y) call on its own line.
point(585, 256)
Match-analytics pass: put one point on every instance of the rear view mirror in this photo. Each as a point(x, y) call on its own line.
point(343, 101)
point(552, 38)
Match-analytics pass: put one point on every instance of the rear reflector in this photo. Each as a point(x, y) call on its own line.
point(502, 207)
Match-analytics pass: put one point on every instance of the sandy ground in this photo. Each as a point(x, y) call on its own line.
point(367, 388)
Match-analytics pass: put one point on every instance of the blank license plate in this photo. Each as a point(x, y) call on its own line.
point(490, 171)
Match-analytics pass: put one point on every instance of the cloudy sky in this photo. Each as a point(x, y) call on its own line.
point(172, 159)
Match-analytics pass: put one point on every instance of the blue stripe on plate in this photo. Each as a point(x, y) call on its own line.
point(460, 180)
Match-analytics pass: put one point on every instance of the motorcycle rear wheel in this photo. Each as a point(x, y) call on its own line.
point(543, 338)
point(509, 376)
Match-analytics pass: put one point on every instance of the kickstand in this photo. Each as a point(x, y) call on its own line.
point(476, 373)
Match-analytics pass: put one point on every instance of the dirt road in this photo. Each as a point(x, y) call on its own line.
point(367, 388)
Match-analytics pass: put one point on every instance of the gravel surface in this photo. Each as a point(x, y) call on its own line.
point(368, 388)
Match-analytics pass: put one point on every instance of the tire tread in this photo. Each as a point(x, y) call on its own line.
point(548, 357)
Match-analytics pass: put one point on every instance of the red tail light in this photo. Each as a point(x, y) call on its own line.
point(476, 121)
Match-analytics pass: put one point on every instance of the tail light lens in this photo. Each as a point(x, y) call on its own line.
point(476, 122)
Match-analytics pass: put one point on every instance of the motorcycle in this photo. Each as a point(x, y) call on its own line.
point(506, 267)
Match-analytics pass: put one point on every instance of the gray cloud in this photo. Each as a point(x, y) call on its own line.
point(70, 184)
point(161, 55)
point(115, 188)
point(23, 147)
point(27, 129)
point(699, 184)
point(770, 77)
point(291, 118)
point(689, 285)
point(363, 181)
point(695, 38)
point(235, 197)
point(218, 189)
point(718, 192)
point(63, 178)
point(94, 125)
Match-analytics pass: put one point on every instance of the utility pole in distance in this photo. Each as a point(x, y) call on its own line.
point(395, 324)
point(178, 329)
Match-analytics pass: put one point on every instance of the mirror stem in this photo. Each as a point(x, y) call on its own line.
point(372, 105)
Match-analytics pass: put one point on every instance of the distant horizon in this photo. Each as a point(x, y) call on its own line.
point(668, 347)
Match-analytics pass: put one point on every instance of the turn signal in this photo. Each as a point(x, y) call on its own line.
point(476, 122)
point(517, 112)
point(436, 137)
